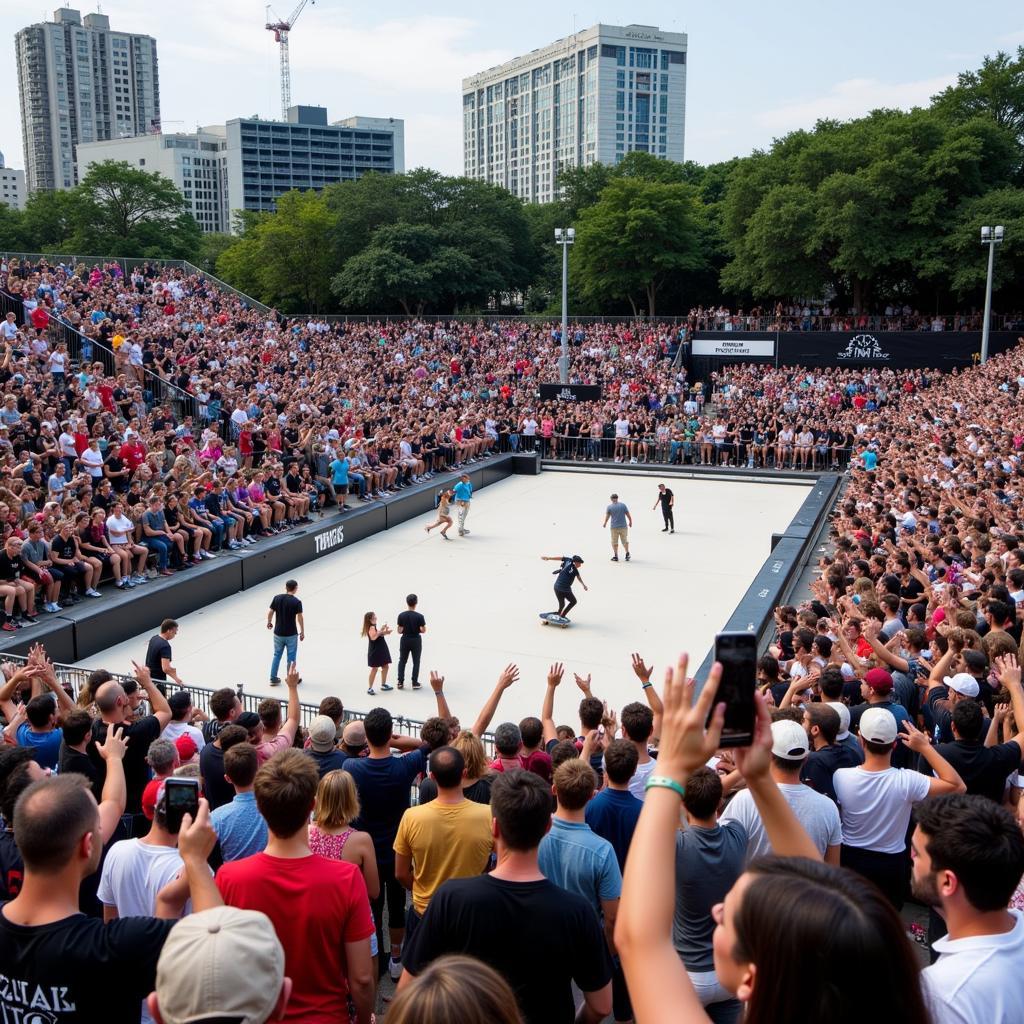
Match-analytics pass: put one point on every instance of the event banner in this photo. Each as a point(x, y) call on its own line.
point(570, 392)
point(898, 349)
point(727, 345)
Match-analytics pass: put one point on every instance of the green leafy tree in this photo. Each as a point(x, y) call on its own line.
point(123, 210)
point(634, 239)
point(996, 90)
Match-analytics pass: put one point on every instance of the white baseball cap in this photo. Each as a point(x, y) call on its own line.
point(789, 740)
point(220, 963)
point(878, 725)
point(964, 684)
point(844, 717)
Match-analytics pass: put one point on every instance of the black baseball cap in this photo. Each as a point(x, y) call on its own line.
point(577, 559)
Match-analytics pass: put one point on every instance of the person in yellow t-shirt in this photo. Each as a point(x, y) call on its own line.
point(450, 837)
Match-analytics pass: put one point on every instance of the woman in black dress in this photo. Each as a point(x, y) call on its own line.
point(377, 655)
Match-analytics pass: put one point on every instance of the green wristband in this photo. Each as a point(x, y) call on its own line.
point(663, 782)
point(646, 686)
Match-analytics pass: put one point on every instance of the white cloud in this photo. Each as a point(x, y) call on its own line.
point(853, 97)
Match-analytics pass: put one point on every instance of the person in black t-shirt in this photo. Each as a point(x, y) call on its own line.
point(61, 966)
point(411, 626)
point(115, 710)
point(539, 937)
point(667, 500)
point(567, 574)
point(284, 617)
point(158, 653)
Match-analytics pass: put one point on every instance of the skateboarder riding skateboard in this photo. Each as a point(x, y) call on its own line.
point(567, 574)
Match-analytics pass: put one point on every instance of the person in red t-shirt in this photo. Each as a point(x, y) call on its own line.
point(319, 907)
point(40, 318)
point(132, 453)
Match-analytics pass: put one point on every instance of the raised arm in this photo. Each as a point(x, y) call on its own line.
point(1008, 673)
point(947, 779)
point(49, 676)
point(661, 990)
point(508, 676)
point(291, 724)
point(644, 672)
point(157, 701)
point(784, 830)
point(437, 685)
point(115, 792)
point(9, 688)
point(547, 715)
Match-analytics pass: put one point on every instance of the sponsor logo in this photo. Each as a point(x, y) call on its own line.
point(566, 395)
point(863, 346)
point(642, 35)
point(329, 539)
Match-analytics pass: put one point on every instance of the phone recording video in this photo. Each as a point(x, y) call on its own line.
point(737, 654)
point(181, 797)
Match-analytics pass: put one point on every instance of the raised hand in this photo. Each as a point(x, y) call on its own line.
point(755, 760)
point(642, 671)
point(115, 744)
point(509, 675)
point(292, 680)
point(196, 839)
point(142, 674)
point(555, 673)
point(1008, 670)
point(913, 737)
point(583, 683)
point(684, 744)
point(436, 681)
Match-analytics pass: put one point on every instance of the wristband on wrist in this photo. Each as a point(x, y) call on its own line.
point(646, 686)
point(663, 782)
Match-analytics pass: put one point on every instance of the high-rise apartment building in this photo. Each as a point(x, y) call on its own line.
point(247, 163)
point(591, 97)
point(79, 81)
point(12, 186)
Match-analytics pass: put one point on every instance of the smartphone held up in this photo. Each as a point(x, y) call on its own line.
point(737, 654)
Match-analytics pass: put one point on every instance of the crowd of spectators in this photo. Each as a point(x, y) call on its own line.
point(624, 861)
point(822, 316)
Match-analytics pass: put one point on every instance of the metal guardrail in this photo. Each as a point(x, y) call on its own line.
point(74, 678)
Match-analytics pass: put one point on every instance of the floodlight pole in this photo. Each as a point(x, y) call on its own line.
point(565, 238)
point(990, 237)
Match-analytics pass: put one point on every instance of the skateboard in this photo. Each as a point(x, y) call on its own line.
point(554, 619)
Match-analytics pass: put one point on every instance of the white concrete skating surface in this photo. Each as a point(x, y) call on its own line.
point(482, 595)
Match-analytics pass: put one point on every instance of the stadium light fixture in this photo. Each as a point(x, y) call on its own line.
point(565, 237)
point(990, 236)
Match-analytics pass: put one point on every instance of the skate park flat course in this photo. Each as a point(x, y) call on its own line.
point(481, 595)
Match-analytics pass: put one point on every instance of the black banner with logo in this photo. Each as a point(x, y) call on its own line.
point(942, 350)
point(570, 392)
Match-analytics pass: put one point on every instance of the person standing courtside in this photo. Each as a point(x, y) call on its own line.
point(463, 497)
point(284, 617)
point(667, 500)
point(621, 520)
point(411, 627)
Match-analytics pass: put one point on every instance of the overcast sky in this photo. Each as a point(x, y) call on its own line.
point(755, 70)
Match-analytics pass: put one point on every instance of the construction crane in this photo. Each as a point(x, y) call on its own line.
point(281, 30)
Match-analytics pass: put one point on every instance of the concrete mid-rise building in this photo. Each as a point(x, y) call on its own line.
point(81, 81)
point(590, 97)
point(268, 158)
point(12, 186)
point(248, 163)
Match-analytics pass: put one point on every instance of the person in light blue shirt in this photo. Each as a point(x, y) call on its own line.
point(572, 855)
point(241, 829)
point(463, 492)
point(868, 459)
point(575, 858)
point(339, 478)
